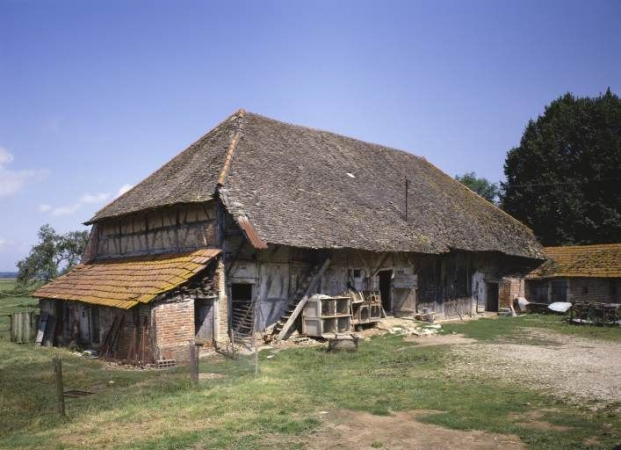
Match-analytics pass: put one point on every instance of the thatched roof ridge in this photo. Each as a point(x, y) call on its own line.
point(310, 188)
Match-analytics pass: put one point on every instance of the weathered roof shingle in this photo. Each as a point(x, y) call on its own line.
point(309, 188)
point(125, 283)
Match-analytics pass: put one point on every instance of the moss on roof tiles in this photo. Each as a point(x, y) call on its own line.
point(124, 283)
point(600, 261)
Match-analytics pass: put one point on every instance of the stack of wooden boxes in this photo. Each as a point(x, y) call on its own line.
point(325, 316)
point(366, 307)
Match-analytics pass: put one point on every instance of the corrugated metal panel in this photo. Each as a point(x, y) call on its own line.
point(123, 283)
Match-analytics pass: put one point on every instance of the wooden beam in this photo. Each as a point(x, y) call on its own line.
point(300, 306)
point(379, 266)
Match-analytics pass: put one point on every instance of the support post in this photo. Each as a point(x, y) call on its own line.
point(254, 341)
point(232, 338)
point(60, 390)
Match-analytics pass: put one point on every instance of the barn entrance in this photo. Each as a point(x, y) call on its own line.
point(203, 320)
point(491, 303)
point(242, 314)
point(385, 287)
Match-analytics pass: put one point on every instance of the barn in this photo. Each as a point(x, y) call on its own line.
point(229, 235)
point(577, 273)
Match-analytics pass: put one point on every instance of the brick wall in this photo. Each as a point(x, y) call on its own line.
point(174, 328)
point(508, 290)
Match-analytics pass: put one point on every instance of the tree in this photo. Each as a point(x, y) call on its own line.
point(52, 256)
point(564, 178)
point(481, 186)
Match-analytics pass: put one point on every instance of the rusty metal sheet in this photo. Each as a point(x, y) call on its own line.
point(251, 233)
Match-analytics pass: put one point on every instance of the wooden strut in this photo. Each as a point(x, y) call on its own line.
point(284, 333)
point(379, 266)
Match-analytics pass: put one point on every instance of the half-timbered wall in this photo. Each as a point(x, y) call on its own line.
point(166, 230)
point(448, 284)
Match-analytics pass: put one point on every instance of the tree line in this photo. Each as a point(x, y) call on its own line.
point(564, 178)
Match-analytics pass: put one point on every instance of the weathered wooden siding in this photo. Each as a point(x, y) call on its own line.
point(451, 284)
point(75, 324)
point(168, 230)
point(578, 289)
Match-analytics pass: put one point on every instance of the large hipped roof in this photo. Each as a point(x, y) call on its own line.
point(309, 188)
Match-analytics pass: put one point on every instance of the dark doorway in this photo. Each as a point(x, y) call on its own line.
point(203, 320)
point(492, 297)
point(242, 315)
point(559, 291)
point(385, 286)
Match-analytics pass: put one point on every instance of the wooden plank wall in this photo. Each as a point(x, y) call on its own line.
point(166, 230)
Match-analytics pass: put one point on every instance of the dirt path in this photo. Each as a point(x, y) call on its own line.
point(573, 368)
point(352, 430)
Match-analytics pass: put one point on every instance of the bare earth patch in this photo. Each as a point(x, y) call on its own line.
point(534, 419)
point(352, 430)
point(572, 368)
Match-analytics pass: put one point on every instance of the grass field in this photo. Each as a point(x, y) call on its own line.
point(511, 328)
point(279, 408)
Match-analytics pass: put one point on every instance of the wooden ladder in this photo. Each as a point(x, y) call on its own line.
point(243, 321)
point(298, 300)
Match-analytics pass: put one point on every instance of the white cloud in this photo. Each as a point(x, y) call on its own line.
point(5, 156)
point(66, 210)
point(94, 198)
point(123, 189)
point(12, 181)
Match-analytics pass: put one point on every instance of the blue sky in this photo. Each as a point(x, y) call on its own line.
point(96, 95)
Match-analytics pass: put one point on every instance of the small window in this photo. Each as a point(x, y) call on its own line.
point(357, 273)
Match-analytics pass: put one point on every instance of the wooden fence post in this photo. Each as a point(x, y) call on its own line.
point(193, 364)
point(60, 390)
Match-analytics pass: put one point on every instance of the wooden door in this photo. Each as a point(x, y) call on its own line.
point(203, 320)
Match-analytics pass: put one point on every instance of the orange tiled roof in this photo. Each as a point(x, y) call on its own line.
point(581, 261)
point(124, 283)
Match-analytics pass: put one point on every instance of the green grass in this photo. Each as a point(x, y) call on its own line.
point(277, 409)
point(513, 328)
